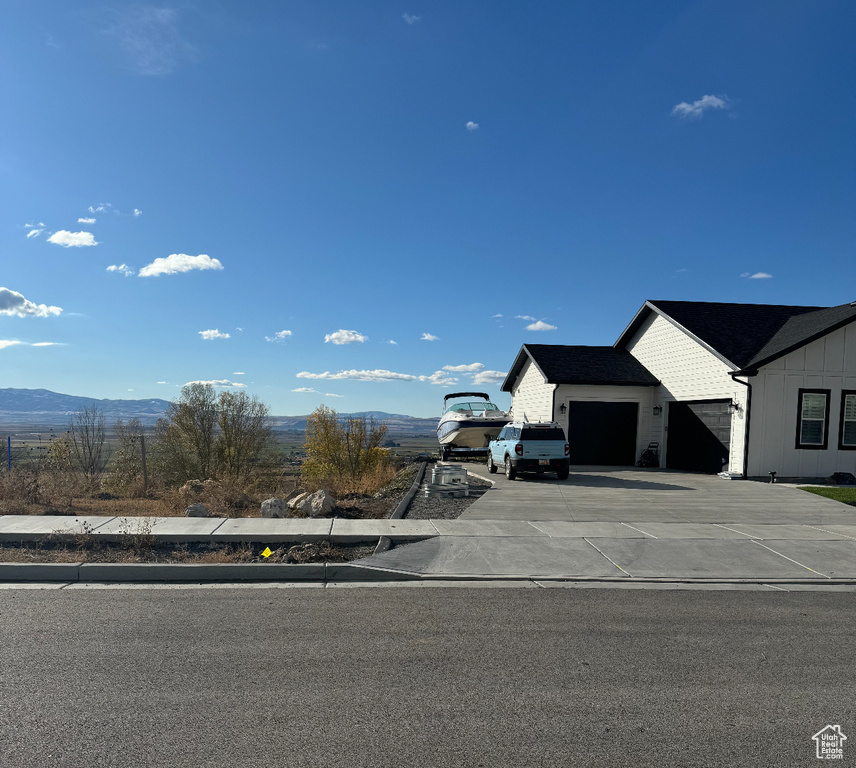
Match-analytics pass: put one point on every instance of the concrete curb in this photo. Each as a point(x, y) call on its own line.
point(182, 573)
point(385, 542)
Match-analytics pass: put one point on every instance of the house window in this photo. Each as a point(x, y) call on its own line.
point(813, 419)
point(847, 430)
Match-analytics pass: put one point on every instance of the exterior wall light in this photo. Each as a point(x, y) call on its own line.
point(658, 410)
point(563, 409)
point(734, 407)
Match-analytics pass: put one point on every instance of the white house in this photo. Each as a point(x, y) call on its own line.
point(747, 388)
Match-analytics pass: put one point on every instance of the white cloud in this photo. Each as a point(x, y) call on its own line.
point(213, 334)
point(278, 336)
point(757, 275)
point(163, 382)
point(471, 126)
point(217, 383)
point(72, 239)
point(345, 337)
point(441, 378)
point(438, 377)
point(428, 337)
point(7, 343)
point(393, 342)
point(13, 303)
point(85, 221)
point(304, 389)
point(375, 375)
point(409, 19)
point(238, 373)
point(525, 317)
point(540, 326)
point(499, 314)
point(123, 268)
point(100, 208)
point(179, 262)
point(695, 110)
point(137, 212)
point(34, 232)
point(489, 377)
point(471, 368)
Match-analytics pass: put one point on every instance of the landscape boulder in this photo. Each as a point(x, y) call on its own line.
point(196, 510)
point(318, 504)
point(274, 508)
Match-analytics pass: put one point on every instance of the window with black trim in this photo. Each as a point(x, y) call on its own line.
point(847, 428)
point(813, 419)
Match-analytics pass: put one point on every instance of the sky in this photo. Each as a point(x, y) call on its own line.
point(371, 204)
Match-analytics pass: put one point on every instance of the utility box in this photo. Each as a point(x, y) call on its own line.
point(448, 475)
point(447, 481)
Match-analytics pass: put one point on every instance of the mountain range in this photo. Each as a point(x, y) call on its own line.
point(45, 408)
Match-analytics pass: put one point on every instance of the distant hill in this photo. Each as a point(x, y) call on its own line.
point(41, 406)
point(45, 408)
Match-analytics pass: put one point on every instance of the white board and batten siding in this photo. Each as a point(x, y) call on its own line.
point(827, 363)
point(688, 371)
point(531, 395)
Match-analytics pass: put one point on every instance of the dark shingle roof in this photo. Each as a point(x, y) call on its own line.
point(563, 364)
point(800, 329)
point(748, 335)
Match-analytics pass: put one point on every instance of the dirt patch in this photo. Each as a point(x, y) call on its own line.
point(192, 553)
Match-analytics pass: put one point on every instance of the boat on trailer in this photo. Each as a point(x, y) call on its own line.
point(469, 425)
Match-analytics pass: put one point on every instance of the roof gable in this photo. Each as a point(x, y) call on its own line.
point(745, 335)
point(566, 364)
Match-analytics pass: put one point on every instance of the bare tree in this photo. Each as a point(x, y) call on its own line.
point(128, 470)
point(194, 418)
point(88, 442)
point(244, 433)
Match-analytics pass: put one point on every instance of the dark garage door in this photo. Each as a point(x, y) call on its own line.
point(602, 433)
point(699, 434)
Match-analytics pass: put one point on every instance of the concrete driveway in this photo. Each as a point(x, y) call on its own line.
point(620, 494)
point(606, 523)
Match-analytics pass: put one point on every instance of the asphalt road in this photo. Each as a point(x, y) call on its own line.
point(422, 677)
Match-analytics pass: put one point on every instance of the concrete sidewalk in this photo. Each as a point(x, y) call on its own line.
point(20, 528)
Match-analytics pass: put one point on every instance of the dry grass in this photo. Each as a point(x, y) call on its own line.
point(193, 554)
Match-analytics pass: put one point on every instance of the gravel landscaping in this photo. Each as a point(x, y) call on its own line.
point(444, 508)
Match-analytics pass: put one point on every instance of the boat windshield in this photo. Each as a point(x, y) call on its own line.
point(473, 407)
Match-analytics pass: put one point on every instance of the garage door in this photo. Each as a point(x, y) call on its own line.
point(602, 433)
point(698, 435)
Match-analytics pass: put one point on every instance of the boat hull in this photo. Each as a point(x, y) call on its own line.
point(469, 433)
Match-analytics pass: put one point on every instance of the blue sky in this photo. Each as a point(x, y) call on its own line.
point(267, 195)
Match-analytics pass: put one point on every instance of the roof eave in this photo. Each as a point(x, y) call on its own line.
point(603, 383)
point(754, 365)
point(634, 325)
point(516, 367)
